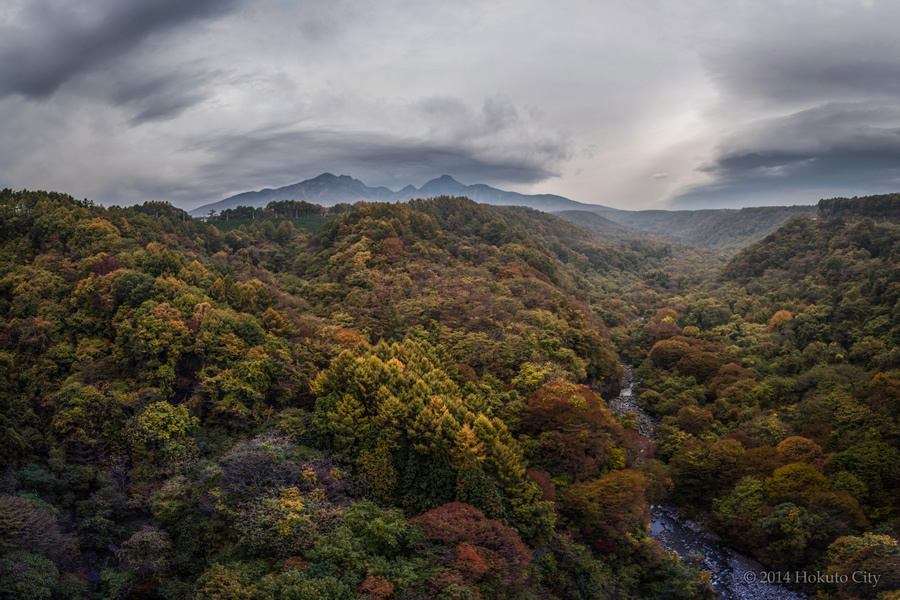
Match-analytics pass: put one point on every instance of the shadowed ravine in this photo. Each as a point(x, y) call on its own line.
point(734, 575)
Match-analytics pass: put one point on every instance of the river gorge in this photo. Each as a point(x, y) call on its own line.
point(735, 576)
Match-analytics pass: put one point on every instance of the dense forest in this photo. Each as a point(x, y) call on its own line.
point(407, 401)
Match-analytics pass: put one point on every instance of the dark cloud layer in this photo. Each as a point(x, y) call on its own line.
point(58, 43)
point(807, 76)
point(812, 52)
point(369, 156)
point(493, 143)
point(844, 148)
point(155, 96)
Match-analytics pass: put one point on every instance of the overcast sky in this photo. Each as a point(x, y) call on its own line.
point(633, 104)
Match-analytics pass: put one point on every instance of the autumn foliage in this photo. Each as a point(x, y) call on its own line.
point(484, 551)
point(576, 432)
point(604, 510)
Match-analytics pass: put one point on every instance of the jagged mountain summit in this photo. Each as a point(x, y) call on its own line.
point(328, 189)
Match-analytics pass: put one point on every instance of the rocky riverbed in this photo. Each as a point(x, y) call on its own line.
point(627, 401)
point(735, 576)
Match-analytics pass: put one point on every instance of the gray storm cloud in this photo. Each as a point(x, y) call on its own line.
point(847, 148)
point(816, 92)
point(54, 43)
point(628, 104)
point(493, 142)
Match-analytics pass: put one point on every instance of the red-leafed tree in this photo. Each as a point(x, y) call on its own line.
point(485, 552)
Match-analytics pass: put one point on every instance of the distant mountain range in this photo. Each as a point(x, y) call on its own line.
point(722, 230)
point(328, 190)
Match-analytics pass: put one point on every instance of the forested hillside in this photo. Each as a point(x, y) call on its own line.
point(400, 406)
point(779, 392)
point(594, 222)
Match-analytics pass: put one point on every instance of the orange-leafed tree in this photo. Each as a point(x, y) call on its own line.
point(577, 434)
point(604, 510)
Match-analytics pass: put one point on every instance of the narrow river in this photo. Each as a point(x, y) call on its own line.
point(735, 576)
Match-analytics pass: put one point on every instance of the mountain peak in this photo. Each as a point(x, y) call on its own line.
point(325, 177)
point(443, 185)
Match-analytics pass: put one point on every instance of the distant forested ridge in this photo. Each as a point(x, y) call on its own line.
point(885, 206)
point(720, 230)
